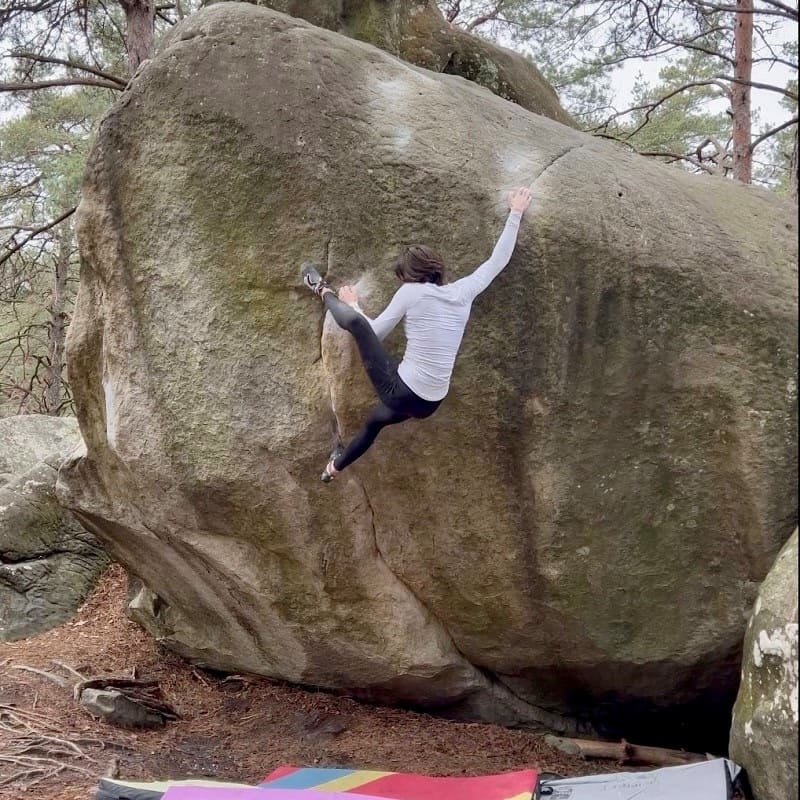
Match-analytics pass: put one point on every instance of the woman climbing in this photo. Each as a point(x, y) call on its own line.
point(436, 314)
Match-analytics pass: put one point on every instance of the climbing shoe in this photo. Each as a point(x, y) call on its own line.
point(326, 476)
point(312, 279)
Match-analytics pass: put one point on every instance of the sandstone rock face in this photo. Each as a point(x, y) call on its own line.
point(48, 562)
point(580, 530)
point(764, 730)
point(417, 32)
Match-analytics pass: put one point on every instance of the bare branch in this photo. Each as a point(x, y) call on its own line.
point(673, 157)
point(767, 86)
point(32, 86)
point(454, 10)
point(17, 190)
point(110, 17)
point(689, 44)
point(764, 136)
point(72, 65)
point(19, 245)
point(775, 60)
point(778, 4)
point(488, 16)
point(651, 107)
point(778, 9)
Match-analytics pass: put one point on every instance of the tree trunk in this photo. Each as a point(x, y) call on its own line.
point(58, 327)
point(740, 91)
point(793, 167)
point(139, 30)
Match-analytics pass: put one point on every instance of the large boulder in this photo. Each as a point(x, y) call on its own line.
point(48, 562)
point(580, 530)
point(765, 717)
point(417, 32)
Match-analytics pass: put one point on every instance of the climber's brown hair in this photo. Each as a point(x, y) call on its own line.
point(419, 264)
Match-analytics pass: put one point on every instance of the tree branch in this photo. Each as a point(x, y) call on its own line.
point(17, 190)
point(778, 4)
point(46, 227)
point(688, 44)
point(486, 17)
point(33, 86)
point(673, 157)
point(651, 107)
point(764, 136)
point(110, 18)
point(780, 9)
point(693, 160)
point(775, 60)
point(72, 65)
point(768, 87)
point(454, 10)
point(622, 752)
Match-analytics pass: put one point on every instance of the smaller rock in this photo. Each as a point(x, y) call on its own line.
point(765, 717)
point(28, 439)
point(127, 702)
point(320, 726)
point(48, 561)
point(119, 709)
point(143, 603)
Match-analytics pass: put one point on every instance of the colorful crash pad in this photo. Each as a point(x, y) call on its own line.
point(216, 793)
point(113, 789)
point(401, 786)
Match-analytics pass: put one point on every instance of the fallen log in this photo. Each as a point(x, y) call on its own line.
point(623, 752)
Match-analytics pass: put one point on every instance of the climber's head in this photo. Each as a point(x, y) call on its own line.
point(419, 264)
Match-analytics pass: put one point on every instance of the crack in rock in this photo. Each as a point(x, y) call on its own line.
point(495, 687)
point(556, 159)
point(410, 591)
point(494, 692)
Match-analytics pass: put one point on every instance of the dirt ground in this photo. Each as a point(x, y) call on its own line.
point(233, 729)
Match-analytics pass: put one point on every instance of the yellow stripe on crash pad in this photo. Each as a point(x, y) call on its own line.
point(351, 781)
point(521, 796)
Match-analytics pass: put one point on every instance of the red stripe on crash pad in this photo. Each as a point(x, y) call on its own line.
point(280, 772)
point(422, 787)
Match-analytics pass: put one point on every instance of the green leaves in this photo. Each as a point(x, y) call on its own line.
point(42, 155)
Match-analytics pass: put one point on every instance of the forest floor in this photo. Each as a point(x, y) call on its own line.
point(236, 729)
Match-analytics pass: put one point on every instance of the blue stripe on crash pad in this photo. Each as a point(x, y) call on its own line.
point(307, 778)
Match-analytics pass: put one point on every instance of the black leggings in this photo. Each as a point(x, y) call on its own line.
point(397, 402)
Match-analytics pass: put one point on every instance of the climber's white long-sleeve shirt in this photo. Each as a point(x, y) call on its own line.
point(436, 316)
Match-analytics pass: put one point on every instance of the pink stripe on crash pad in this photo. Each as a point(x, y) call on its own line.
point(235, 793)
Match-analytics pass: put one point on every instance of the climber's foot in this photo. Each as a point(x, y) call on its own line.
point(313, 280)
point(330, 471)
